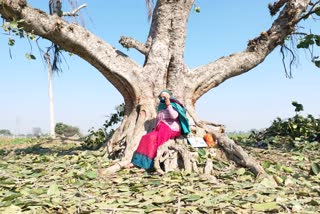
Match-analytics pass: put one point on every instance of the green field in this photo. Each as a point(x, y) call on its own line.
point(10, 142)
point(4, 141)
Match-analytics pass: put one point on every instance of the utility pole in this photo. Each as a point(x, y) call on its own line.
point(52, 122)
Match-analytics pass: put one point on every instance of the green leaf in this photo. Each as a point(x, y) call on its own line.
point(201, 152)
point(298, 106)
point(289, 182)
point(32, 36)
point(193, 197)
point(317, 9)
point(53, 190)
point(11, 42)
point(160, 199)
point(91, 175)
point(241, 171)
point(265, 206)
point(268, 182)
point(314, 202)
point(315, 169)
point(12, 210)
point(30, 56)
point(317, 39)
point(317, 63)
point(150, 192)
point(12, 196)
point(287, 169)
point(132, 203)
point(278, 179)
point(14, 24)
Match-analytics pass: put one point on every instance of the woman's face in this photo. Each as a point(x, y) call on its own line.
point(164, 95)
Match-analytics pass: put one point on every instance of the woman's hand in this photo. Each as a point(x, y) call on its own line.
point(167, 101)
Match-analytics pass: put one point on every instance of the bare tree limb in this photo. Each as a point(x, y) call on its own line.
point(129, 42)
point(211, 75)
point(75, 11)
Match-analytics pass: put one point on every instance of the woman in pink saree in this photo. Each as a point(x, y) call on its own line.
point(171, 122)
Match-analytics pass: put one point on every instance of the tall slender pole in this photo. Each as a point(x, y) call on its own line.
point(52, 122)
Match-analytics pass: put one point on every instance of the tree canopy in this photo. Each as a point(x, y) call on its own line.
point(5, 132)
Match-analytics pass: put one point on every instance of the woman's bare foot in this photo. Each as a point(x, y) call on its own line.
point(129, 166)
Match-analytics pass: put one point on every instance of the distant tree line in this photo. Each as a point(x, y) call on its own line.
point(66, 130)
point(61, 129)
point(5, 132)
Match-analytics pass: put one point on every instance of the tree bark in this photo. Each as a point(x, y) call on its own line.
point(164, 68)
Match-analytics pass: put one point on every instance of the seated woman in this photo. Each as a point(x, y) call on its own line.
point(171, 122)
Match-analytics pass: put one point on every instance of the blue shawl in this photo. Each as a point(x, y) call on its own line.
point(184, 122)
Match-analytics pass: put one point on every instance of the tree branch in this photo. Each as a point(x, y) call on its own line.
point(129, 42)
point(275, 7)
point(211, 75)
point(119, 69)
point(314, 9)
point(75, 11)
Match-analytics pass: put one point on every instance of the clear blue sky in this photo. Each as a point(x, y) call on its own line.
point(84, 98)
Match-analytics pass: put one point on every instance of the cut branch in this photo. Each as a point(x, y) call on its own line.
point(75, 11)
point(238, 155)
point(129, 42)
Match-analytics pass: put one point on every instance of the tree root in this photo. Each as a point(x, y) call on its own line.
point(176, 155)
point(113, 169)
point(171, 160)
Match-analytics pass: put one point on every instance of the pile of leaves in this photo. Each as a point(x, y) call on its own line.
point(293, 131)
point(62, 178)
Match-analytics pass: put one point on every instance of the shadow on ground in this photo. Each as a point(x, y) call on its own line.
point(60, 147)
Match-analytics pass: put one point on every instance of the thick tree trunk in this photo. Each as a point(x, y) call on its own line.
point(140, 121)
